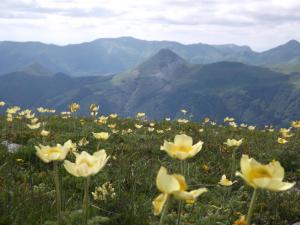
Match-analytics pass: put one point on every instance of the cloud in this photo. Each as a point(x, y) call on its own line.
point(252, 22)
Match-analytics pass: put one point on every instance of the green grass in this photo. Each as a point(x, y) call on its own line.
point(27, 192)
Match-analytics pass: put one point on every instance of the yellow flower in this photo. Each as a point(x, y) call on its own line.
point(137, 126)
point(112, 126)
point(168, 119)
point(233, 142)
point(113, 116)
point(174, 185)
point(55, 153)
point(74, 107)
point(101, 135)
point(150, 129)
point(267, 176)
point(182, 121)
point(296, 124)
point(243, 125)
point(34, 126)
point(240, 221)
point(45, 133)
point(2, 103)
point(226, 182)
point(140, 114)
point(94, 108)
point(228, 119)
point(251, 127)
point(206, 120)
point(85, 164)
point(182, 147)
point(83, 142)
point(281, 140)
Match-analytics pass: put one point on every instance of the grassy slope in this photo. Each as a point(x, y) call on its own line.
point(27, 191)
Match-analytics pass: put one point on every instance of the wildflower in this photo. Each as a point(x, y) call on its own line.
point(285, 133)
point(112, 126)
point(232, 124)
point(150, 129)
point(206, 120)
point(182, 147)
point(94, 109)
point(83, 142)
point(184, 111)
point(152, 124)
point(159, 131)
point(267, 176)
point(55, 153)
point(205, 167)
point(141, 114)
point(137, 126)
point(225, 182)
point(102, 120)
point(296, 124)
point(233, 142)
point(13, 110)
point(243, 125)
point(45, 133)
point(281, 140)
point(85, 164)
point(113, 116)
point(101, 135)
point(2, 103)
point(228, 119)
point(182, 121)
point(201, 130)
point(168, 119)
point(104, 192)
point(240, 221)
point(172, 185)
point(34, 126)
point(74, 107)
point(251, 127)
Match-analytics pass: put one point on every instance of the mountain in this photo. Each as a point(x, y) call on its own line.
point(107, 56)
point(164, 84)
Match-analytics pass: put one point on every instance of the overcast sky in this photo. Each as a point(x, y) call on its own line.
point(261, 24)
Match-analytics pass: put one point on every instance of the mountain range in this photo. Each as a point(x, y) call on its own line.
point(109, 56)
point(164, 84)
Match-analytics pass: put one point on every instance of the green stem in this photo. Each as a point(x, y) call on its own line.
point(179, 213)
point(85, 204)
point(251, 207)
point(58, 194)
point(164, 212)
point(233, 164)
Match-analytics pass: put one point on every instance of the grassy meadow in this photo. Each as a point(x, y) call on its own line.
point(28, 194)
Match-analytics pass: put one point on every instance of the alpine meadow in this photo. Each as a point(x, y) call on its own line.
point(159, 112)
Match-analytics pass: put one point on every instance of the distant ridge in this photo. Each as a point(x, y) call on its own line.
point(114, 55)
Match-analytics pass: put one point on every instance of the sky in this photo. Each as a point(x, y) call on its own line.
point(260, 24)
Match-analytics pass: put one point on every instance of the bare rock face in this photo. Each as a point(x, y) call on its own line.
point(11, 147)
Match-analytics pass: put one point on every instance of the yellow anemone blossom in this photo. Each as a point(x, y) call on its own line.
point(175, 185)
point(281, 140)
point(45, 133)
point(182, 147)
point(138, 126)
point(233, 142)
point(225, 181)
point(74, 107)
point(101, 135)
point(34, 126)
point(2, 103)
point(296, 124)
point(53, 153)
point(267, 176)
point(85, 164)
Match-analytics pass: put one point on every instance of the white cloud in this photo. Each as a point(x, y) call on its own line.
point(260, 24)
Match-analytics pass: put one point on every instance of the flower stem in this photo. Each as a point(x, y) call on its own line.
point(85, 201)
point(233, 164)
point(179, 213)
point(251, 207)
point(58, 194)
point(164, 212)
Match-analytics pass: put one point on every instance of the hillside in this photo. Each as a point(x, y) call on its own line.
point(164, 84)
point(108, 56)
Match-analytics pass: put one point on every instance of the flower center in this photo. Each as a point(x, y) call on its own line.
point(181, 148)
point(259, 172)
point(54, 150)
